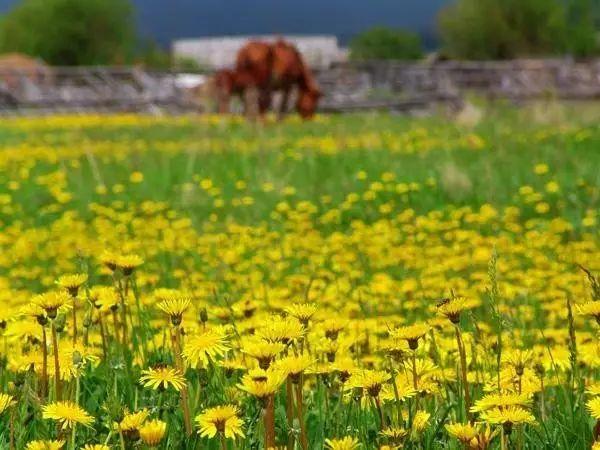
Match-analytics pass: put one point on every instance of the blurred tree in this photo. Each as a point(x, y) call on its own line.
point(151, 55)
point(582, 23)
point(386, 43)
point(70, 32)
point(500, 29)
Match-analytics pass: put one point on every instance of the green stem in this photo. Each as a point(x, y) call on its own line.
point(463, 370)
point(74, 320)
point(57, 383)
point(44, 380)
point(77, 390)
point(290, 413)
point(300, 413)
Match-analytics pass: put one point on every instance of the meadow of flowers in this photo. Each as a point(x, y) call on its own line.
point(357, 282)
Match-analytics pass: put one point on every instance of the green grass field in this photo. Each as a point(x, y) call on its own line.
point(205, 242)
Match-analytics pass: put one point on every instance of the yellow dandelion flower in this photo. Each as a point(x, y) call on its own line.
point(67, 414)
point(220, 419)
point(246, 307)
point(174, 306)
point(411, 334)
point(264, 352)
point(72, 282)
point(36, 311)
point(6, 401)
point(294, 366)
point(264, 385)
point(512, 415)
point(502, 400)
point(420, 421)
point(45, 445)
point(200, 348)
point(394, 434)
point(153, 432)
point(593, 406)
point(453, 307)
point(136, 177)
point(52, 301)
point(132, 422)
point(162, 378)
point(484, 438)
point(128, 263)
point(593, 389)
point(282, 330)
point(332, 327)
point(302, 311)
point(96, 447)
point(395, 348)
point(518, 359)
point(105, 298)
point(541, 169)
point(345, 443)
point(344, 367)
point(590, 309)
point(109, 259)
point(464, 432)
point(370, 380)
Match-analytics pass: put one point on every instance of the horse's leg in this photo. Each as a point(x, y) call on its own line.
point(224, 101)
point(264, 101)
point(251, 98)
point(283, 106)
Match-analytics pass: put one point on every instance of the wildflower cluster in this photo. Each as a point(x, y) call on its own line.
point(159, 294)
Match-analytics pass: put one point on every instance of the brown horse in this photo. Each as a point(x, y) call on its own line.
point(262, 68)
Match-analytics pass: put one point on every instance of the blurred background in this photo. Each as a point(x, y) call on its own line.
point(382, 54)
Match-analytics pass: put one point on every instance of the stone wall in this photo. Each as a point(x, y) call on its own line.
point(518, 80)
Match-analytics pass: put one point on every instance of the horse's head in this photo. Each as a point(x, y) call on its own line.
point(307, 102)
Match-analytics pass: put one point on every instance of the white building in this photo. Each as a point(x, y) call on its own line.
point(319, 51)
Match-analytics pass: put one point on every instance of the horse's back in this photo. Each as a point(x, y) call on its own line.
point(254, 63)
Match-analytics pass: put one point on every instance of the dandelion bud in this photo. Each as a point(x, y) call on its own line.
point(519, 369)
point(540, 370)
point(2, 324)
point(87, 320)
point(203, 315)
point(77, 358)
point(52, 313)
point(264, 363)
point(344, 376)
point(41, 319)
point(332, 334)
point(413, 344)
point(20, 379)
point(60, 322)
